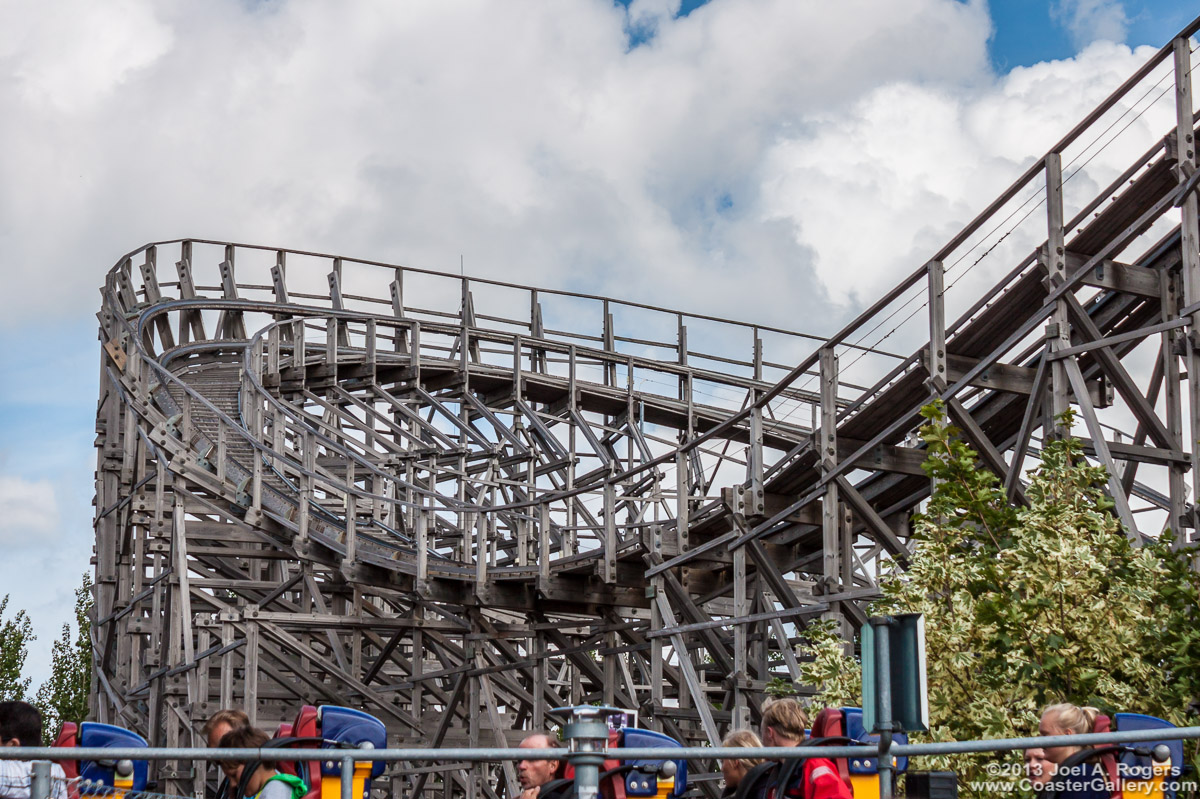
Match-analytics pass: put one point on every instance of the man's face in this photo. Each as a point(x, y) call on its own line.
point(536, 773)
point(217, 733)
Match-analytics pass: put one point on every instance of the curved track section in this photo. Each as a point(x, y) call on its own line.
point(458, 503)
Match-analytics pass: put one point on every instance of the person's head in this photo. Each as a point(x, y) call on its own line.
point(783, 723)
point(20, 724)
point(734, 769)
point(1065, 719)
point(536, 773)
point(245, 738)
point(221, 722)
point(1038, 767)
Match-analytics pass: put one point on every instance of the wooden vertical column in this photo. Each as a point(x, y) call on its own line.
point(1185, 146)
point(351, 510)
point(830, 516)
point(1058, 333)
point(741, 608)
point(938, 376)
point(1172, 302)
point(474, 715)
point(109, 411)
point(251, 676)
point(656, 655)
point(540, 672)
point(937, 324)
point(608, 566)
point(418, 662)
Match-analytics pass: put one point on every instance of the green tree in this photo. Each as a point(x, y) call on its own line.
point(64, 697)
point(15, 635)
point(1029, 606)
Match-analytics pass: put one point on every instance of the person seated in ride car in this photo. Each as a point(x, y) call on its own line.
point(21, 725)
point(264, 782)
point(533, 774)
point(1038, 768)
point(735, 768)
point(1085, 780)
point(783, 724)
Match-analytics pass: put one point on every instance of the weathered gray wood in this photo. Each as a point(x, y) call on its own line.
point(483, 518)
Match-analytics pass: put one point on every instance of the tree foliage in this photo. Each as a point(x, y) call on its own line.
point(1029, 606)
point(15, 635)
point(64, 697)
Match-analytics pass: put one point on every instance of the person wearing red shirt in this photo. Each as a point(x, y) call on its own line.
point(783, 724)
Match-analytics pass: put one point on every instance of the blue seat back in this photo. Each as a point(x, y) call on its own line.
point(641, 784)
point(1131, 766)
point(106, 736)
point(343, 728)
point(853, 719)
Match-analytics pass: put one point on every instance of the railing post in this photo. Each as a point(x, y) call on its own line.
point(39, 781)
point(586, 735)
point(883, 693)
point(348, 778)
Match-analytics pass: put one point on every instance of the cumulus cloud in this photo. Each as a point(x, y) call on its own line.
point(1088, 21)
point(875, 189)
point(530, 139)
point(28, 511)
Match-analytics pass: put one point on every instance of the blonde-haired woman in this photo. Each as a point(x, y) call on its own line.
point(1086, 780)
point(733, 770)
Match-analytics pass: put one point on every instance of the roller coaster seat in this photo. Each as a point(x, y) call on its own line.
point(1128, 766)
point(1139, 774)
point(90, 734)
point(305, 726)
point(864, 772)
point(338, 728)
point(629, 779)
point(793, 778)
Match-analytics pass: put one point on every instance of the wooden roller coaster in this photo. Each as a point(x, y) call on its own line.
point(457, 503)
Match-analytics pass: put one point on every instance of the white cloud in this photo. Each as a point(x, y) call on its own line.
point(28, 511)
point(528, 138)
point(1088, 21)
point(74, 58)
point(874, 190)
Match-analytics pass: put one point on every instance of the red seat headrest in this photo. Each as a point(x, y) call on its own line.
point(828, 724)
point(306, 724)
point(68, 736)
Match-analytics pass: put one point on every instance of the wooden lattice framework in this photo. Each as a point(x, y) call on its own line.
point(457, 503)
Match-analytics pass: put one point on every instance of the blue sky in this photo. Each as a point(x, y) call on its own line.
point(1027, 32)
point(678, 155)
point(1030, 31)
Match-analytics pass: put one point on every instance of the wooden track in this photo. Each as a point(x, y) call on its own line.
point(457, 503)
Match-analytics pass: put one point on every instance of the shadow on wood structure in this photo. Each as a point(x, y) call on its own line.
point(458, 503)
